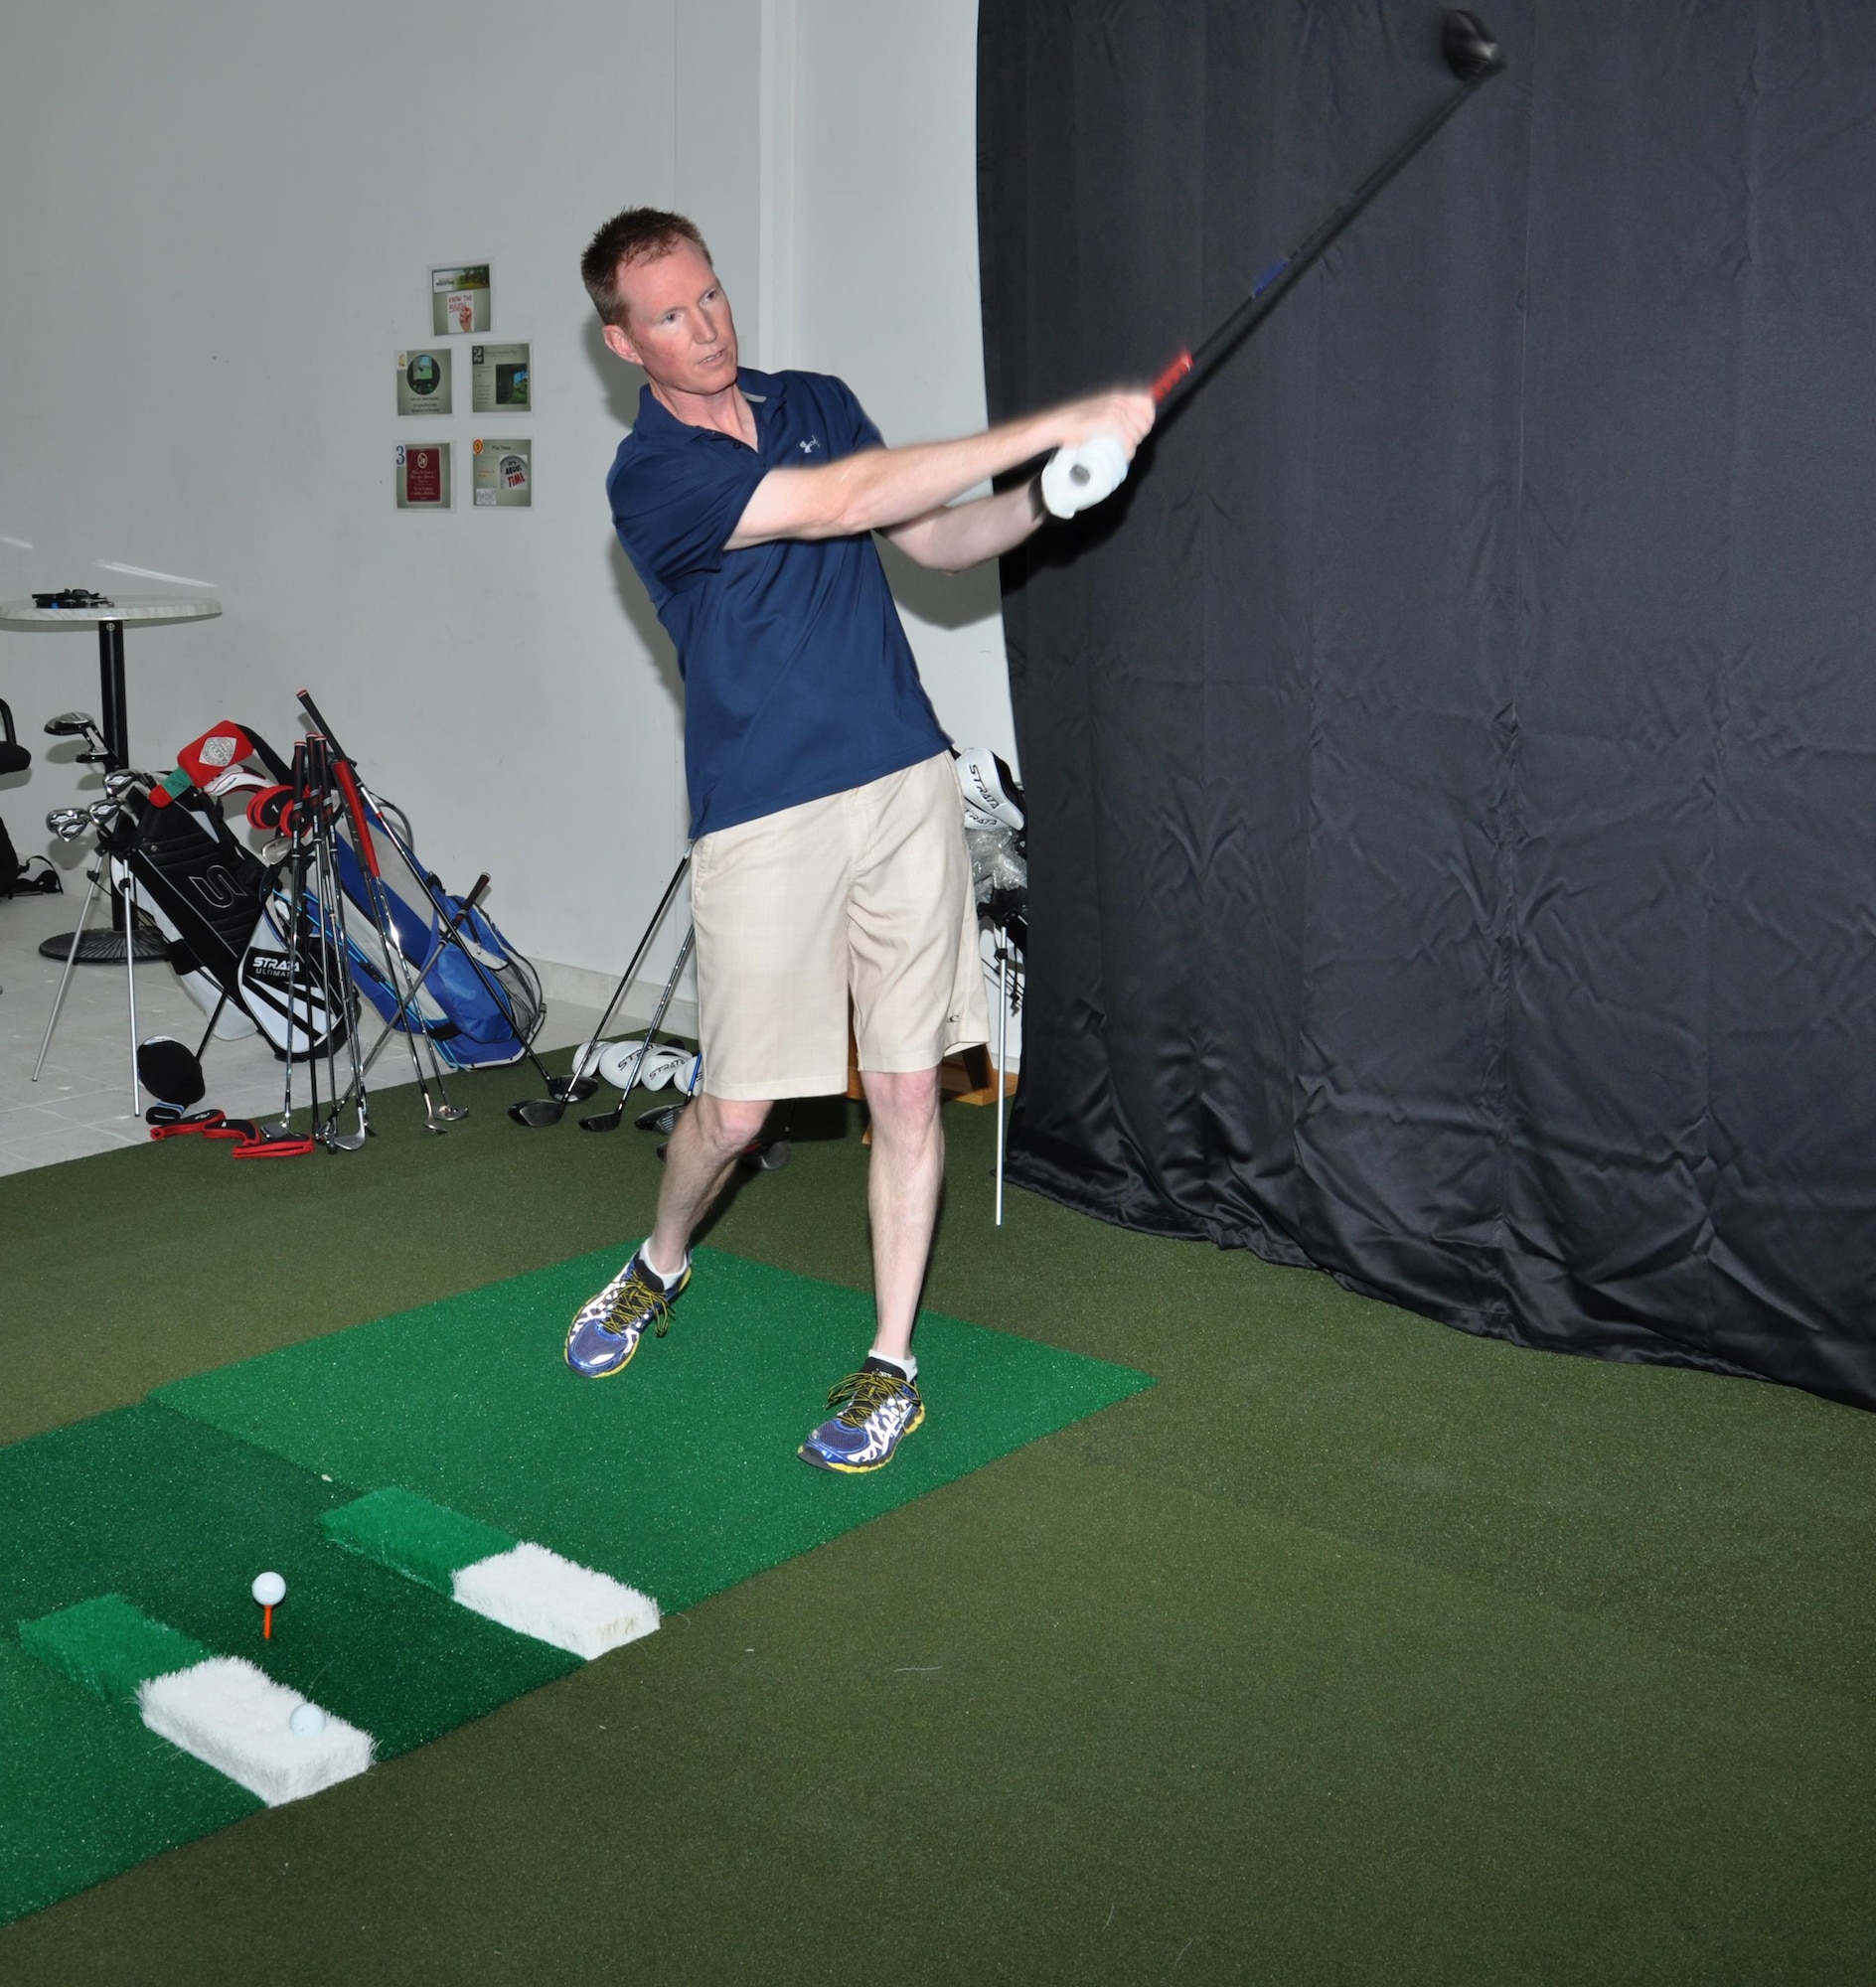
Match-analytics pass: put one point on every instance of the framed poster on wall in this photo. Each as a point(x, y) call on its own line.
point(423, 382)
point(460, 298)
point(504, 475)
point(501, 376)
point(424, 476)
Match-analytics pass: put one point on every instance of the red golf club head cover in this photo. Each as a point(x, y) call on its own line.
point(270, 808)
point(206, 758)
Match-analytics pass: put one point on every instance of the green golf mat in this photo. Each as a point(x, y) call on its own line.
point(680, 1478)
point(677, 1477)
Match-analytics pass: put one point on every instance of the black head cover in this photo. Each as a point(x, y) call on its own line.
point(1467, 44)
point(168, 1069)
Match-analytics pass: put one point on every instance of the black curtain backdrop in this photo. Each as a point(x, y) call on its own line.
point(1452, 814)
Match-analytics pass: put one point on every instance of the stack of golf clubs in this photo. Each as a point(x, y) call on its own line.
point(318, 949)
point(580, 1083)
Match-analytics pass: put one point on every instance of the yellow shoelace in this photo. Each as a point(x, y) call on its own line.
point(636, 1294)
point(862, 1393)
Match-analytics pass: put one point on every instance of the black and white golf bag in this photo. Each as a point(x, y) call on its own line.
point(220, 913)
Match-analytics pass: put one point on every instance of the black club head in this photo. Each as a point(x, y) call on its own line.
point(1468, 46)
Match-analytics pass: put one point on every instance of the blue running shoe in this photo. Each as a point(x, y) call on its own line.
point(878, 1409)
point(604, 1337)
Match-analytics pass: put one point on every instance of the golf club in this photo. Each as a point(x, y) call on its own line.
point(608, 1120)
point(332, 955)
point(437, 1117)
point(537, 1112)
point(1078, 477)
point(475, 896)
point(361, 803)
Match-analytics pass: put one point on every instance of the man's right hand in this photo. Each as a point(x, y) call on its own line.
point(1126, 413)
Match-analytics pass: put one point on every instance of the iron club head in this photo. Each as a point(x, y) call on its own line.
point(1468, 46)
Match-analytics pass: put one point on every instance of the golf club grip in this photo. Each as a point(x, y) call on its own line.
point(355, 808)
point(1179, 379)
point(318, 717)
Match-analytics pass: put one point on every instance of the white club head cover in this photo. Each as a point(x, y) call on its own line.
point(666, 1063)
point(663, 1061)
point(986, 802)
point(1078, 477)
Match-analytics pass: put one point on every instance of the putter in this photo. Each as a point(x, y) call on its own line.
point(1078, 477)
point(608, 1120)
point(537, 1112)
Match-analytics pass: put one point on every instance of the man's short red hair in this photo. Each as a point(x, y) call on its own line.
point(639, 235)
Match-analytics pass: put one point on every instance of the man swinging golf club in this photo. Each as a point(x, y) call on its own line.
point(829, 858)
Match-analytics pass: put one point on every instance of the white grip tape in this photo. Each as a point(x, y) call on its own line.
point(1078, 477)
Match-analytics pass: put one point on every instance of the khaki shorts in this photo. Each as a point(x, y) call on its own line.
point(865, 894)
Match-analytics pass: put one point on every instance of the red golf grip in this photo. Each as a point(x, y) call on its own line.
point(355, 806)
point(1172, 376)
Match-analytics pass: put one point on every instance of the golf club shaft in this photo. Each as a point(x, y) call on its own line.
point(644, 946)
point(1189, 368)
point(630, 1077)
point(296, 886)
point(332, 916)
point(416, 987)
point(357, 798)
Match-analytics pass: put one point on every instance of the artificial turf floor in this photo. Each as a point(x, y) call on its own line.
point(1355, 1649)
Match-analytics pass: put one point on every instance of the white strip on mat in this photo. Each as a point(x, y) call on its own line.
point(232, 1718)
point(538, 1592)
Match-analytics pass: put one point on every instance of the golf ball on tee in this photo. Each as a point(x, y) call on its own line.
point(307, 1721)
point(269, 1590)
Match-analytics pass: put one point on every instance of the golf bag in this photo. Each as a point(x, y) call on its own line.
point(479, 1002)
point(476, 1019)
point(217, 908)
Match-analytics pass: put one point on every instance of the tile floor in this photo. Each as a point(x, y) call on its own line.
point(81, 1102)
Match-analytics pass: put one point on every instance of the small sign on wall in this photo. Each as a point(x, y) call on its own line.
point(504, 475)
point(423, 382)
point(500, 378)
point(424, 476)
point(460, 299)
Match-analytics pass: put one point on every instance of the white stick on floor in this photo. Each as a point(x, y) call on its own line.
point(130, 986)
point(1002, 1037)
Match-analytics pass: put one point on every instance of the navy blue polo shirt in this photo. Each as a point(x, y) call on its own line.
point(798, 679)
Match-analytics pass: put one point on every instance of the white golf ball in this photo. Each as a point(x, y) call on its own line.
point(307, 1721)
point(269, 1590)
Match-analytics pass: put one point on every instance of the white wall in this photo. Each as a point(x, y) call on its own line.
point(209, 259)
point(886, 285)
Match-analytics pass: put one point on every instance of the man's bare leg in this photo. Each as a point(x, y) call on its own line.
point(698, 1164)
point(904, 1185)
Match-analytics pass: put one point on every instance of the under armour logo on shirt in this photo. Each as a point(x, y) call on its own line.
point(809, 447)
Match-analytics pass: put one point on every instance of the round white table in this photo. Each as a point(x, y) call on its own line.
point(109, 618)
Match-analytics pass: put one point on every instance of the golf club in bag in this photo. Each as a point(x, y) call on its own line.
point(1083, 475)
point(446, 972)
point(207, 893)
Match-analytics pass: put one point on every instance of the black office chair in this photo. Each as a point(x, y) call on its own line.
point(14, 757)
point(16, 878)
